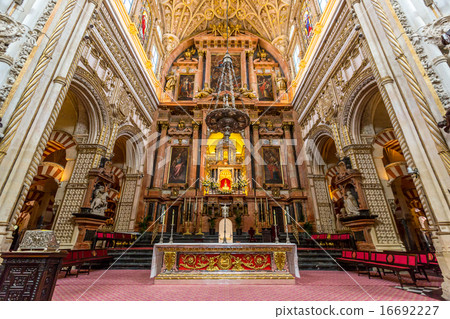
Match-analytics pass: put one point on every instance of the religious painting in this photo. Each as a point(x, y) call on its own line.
point(217, 68)
point(307, 24)
point(186, 87)
point(272, 165)
point(144, 23)
point(178, 165)
point(265, 87)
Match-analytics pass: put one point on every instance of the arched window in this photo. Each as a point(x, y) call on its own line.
point(322, 4)
point(296, 58)
point(145, 23)
point(306, 21)
point(155, 58)
point(128, 4)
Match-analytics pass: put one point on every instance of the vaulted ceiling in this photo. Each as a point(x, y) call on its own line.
point(265, 18)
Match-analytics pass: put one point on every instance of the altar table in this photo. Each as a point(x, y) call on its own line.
point(237, 263)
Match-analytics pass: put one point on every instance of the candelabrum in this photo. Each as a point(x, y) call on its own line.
point(171, 233)
point(200, 225)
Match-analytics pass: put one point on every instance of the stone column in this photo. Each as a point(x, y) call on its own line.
point(208, 68)
point(203, 147)
point(416, 130)
point(199, 74)
point(248, 158)
point(123, 222)
point(34, 103)
point(251, 72)
point(243, 69)
point(194, 156)
point(292, 174)
point(75, 193)
point(160, 157)
point(257, 157)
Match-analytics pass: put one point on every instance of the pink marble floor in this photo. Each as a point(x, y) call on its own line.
point(131, 285)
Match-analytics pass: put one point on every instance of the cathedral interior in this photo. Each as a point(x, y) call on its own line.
point(127, 124)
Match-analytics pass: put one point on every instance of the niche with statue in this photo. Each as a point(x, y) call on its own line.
point(354, 213)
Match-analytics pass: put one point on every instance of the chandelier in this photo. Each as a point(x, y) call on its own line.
point(226, 118)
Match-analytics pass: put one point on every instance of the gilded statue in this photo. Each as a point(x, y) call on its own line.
point(189, 53)
point(171, 81)
point(281, 83)
point(262, 55)
point(207, 91)
point(247, 93)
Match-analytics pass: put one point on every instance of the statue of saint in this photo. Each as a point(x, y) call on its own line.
point(281, 83)
point(99, 203)
point(351, 205)
point(170, 82)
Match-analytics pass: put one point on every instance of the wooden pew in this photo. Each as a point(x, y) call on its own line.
point(80, 258)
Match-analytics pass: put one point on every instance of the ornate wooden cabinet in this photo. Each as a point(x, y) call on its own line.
point(29, 275)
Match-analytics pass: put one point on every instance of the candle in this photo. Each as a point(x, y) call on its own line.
point(285, 218)
point(173, 216)
point(274, 218)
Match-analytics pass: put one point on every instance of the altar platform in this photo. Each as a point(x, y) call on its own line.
point(237, 263)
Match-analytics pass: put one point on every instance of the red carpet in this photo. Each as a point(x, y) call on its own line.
point(130, 285)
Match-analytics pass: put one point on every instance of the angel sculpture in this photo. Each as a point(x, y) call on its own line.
point(207, 91)
point(247, 93)
point(189, 53)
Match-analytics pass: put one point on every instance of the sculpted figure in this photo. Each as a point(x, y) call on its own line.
point(247, 93)
point(207, 91)
point(99, 203)
point(351, 205)
point(281, 83)
point(171, 80)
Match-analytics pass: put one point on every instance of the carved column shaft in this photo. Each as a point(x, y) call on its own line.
point(194, 160)
point(292, 178)
point(160, 157)
point(256, 148)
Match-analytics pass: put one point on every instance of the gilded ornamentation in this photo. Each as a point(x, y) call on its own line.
point(224, 261)
point(280, 260)
point(170, 260)
point(171, 81)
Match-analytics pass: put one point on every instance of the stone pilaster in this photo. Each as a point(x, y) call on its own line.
point(123, 221)
point(160, 158)
point(75, 193)
point(386, 231)
point(325, 217)
point(292, 174)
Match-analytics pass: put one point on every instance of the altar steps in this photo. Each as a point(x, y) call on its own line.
point(131, 259)
point(313, 259)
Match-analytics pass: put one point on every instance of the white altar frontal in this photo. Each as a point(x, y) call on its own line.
point(229, 263)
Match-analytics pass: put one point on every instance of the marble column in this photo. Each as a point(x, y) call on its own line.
point(33, 104)
point(160, 157)
point(408, 120)
point(203, 148)
point(248, 158)
point(199, 74)
point(251, 72)
point(194, 156)
point(257, 158)
point(292, 174)
point(208, 68)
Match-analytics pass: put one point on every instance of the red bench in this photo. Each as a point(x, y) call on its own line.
point(428, 260)
point(80, 258)
point(395, 262)
point(114, 239)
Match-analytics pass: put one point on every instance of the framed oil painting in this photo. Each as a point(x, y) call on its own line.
point(273, 173)
point(265, 87)
point(217, 67)
point(186, 87)
point(178, 165)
